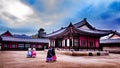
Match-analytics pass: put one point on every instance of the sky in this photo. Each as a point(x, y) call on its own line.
point(28, 16)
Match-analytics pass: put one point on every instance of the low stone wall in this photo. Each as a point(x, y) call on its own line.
point(112, 49)
point(84, 53)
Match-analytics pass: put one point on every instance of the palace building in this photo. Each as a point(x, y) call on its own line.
point(9, 41)
point(77, 36)
point(111, 42)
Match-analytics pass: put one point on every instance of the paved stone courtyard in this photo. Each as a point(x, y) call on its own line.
point(17, 59)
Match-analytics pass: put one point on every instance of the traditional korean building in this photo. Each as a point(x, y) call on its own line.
point(111, 42)
point(9, 41)
point(79, 36)
point(41, 34)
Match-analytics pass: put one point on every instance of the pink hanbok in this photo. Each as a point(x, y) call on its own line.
point(34, 53)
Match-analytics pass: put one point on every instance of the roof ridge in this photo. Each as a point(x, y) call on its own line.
point(83, 22)
point(57, 30)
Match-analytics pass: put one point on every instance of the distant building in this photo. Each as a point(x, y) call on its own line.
point(9, 41)
point(77, 36)
point(111, 42)
point(41, 33)
point(35, 36)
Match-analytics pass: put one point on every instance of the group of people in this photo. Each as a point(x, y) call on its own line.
point(31, 53)
point(51, 56)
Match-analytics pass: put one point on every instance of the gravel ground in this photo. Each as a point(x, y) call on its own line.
point(17, 59)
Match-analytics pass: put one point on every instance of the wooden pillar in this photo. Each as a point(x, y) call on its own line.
point(79, 42)
point(72, 43)
point(54, 43)
point(87, 43)
point(62, 43)
point(100, 47)
point(49, 44)
point(94, 43)
point(66, 43)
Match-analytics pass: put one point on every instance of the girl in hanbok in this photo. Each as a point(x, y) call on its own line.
point(34, 53)
point(29, 53)
point(53, 55)
point(49, 55)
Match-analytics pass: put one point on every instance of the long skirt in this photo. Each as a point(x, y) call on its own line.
point(48, 59)
point(34, 54)
point(29, 54)
point(54, 58)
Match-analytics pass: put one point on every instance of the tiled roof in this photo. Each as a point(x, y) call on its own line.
point(7, 33)
point(4, 38)
point(106, 37)
point(83, 22)
point(55, 33)
point(81, 30)
point(93, 31)
point(106, 41)
point(114, 33)
point(22, 36)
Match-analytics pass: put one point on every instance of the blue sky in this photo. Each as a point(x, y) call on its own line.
point(27, 16)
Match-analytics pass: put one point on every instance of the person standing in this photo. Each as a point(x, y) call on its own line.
point(29, 53)
point(34, 53)
point(53, 55)
point(49, 55)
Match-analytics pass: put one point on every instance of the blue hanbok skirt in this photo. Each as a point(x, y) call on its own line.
point(29, 54)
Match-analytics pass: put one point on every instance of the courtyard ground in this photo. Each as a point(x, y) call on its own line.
point(17, 59)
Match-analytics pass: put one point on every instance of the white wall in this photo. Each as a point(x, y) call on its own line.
point(68, 42)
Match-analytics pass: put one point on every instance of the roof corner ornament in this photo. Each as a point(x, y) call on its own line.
point(85, 19)
point(70, 25)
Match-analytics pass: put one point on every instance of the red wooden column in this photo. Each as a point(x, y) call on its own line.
point(9, 45)
point(17, 45)
point(70, 42)
point(83, 38)
point(97, 43)
point(87, 43)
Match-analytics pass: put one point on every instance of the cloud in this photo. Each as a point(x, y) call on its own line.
point(18, 15)
point(14, 10)
point(51, 14)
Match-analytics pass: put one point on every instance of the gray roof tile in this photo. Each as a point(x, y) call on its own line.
point(24, 39)
point(106, 41)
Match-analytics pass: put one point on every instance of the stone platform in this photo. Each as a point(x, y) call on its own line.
point(84, 53)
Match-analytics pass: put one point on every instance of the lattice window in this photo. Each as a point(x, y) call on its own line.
point(27, 45)
point(91, 44)
point(5, 46)
point(75, 42)
point(83, 43)
point(13, 46)
point(21, 46)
